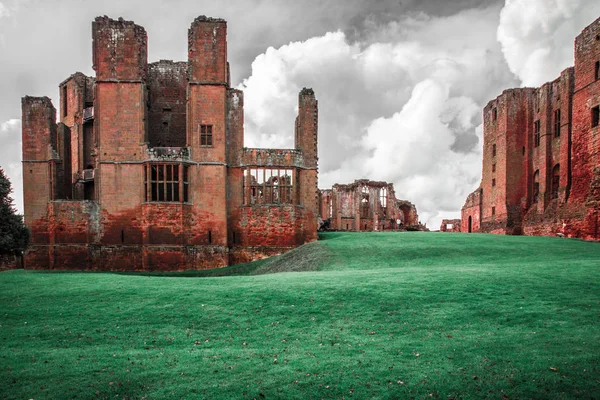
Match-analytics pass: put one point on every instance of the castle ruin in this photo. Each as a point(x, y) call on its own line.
point(146, 168)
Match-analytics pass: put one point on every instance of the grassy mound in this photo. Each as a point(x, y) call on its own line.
point(378, 315)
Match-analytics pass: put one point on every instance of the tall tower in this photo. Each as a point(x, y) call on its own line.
point(206, 128)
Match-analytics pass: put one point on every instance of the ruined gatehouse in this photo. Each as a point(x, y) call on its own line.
point(146, 168)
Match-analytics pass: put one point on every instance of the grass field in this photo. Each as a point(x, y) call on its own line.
point(372, 315)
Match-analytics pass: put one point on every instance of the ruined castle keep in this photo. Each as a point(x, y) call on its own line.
point(146, 168)
point(541, 155)
point(366, 206)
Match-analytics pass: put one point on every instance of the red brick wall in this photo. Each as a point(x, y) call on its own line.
point(207, 51)
point(120, 50)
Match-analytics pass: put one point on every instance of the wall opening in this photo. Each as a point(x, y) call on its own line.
point(535, 190)
point(595, 116)
point(268, 186)
point(206, 136)
point(470, 224)
point(555, 180)
point(209, 237)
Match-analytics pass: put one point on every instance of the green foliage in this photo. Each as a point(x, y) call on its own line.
point(14, 236)
point(383, 315)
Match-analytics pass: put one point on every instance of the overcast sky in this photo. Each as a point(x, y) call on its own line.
point(400, 83)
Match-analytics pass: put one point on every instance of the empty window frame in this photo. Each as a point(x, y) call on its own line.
point(536, 133)
point(557, 123)
point(493, 150)
point(493, 211)
point(535, 191)
point(206, 137)
point(383, 200)
point(268, 186)
point(364, 202)
point(165, 183)
point(555, 180)
point(494, 114)
point(595, 116)
point(597, 71)
point(330, 206)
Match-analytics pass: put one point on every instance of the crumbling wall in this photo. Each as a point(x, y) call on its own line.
point(366, 205)
point(451, 225)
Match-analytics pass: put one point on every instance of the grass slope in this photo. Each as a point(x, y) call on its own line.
point(378, 315)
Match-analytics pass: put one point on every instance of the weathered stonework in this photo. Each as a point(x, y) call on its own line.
point(450, 225)
point(541, 155)
point(366, 206)
point(146, 169)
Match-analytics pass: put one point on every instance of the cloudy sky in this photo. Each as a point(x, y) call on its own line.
point(400, 83)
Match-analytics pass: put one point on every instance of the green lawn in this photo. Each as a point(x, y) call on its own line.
point(372, 315)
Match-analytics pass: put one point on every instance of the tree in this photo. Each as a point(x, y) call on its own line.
point(14, 235)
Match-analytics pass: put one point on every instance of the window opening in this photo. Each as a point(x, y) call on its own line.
point(364, 202)
point(597, 72)
point(206, 138)
point(494, 114)
point(493, 150)
point(122, 236)
point(536, 186)
point(165, 182)
point(383, 200)
point(268, 186)
point(493, 211)
point(556, 123)
point(209, 237)
point(555, 180)
point(494, 182)
point(595, 116)
point(494, 167)
point(536, 133)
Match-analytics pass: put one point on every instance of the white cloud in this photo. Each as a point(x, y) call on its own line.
point(4, 12)
point(403, 106)
point(10, 158)
point(537, 35)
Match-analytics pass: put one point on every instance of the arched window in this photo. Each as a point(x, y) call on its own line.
point(555, 180)
point(535, 192)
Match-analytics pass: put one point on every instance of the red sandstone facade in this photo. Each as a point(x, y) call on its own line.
point(541, 155)
point(366, 206)
point(146, 168)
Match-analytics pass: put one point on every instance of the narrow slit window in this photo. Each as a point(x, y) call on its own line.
point(595, 116)
point(556, 123)
point(493, 150)
point(597, 71)
point(536, 133)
